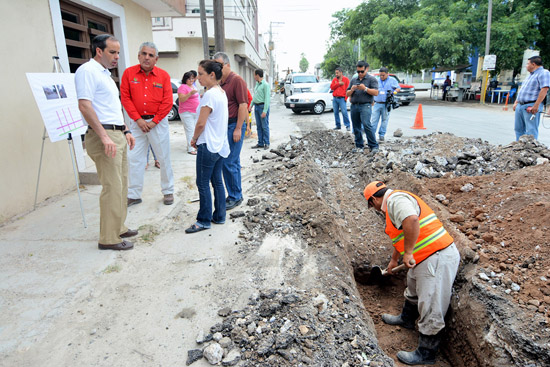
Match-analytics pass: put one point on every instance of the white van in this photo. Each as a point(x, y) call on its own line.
point(299, 83)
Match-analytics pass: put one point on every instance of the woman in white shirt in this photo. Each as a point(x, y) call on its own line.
point(210, 140)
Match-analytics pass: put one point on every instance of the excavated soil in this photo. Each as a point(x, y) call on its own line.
point(492, 199)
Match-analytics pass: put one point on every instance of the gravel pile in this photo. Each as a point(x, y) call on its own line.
point(291, 328)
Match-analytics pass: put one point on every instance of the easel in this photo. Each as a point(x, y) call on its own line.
point(58, 69)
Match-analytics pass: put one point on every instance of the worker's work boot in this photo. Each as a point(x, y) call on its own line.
point(406, 319)
point(428, 346)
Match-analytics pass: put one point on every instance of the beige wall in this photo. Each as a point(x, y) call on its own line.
point(138, 28)
point(188, 59)
point(22, 126)
point(191, 54)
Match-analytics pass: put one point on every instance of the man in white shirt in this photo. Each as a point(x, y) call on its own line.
point(106, 140)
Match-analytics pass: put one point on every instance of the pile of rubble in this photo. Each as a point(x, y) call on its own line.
point(311, 187)
point(291, 328)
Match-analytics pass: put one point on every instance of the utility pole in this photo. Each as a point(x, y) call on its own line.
point(487, 48)
point(219, 27)
point(271, 47)
point(204, 31)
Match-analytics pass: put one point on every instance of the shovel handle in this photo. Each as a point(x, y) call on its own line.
point(398, 268)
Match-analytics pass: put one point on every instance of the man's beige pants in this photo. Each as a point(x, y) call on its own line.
point(429, 285)
point(113, 176)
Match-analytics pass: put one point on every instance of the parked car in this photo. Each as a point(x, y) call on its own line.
point(173, 114)
point(318, 100)
point(299, 83)
point(406, 95)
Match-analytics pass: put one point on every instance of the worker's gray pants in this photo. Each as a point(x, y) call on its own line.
point(429, 285)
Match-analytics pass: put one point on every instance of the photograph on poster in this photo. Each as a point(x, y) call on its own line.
point(61, 91)
point(50, 91)
point(55, 95)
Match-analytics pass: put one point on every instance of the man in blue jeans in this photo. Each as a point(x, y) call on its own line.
point(339, 85)
point(381, 109)
point(530, 98)
point(362, 89)
point(237, 104)
point(261, 100)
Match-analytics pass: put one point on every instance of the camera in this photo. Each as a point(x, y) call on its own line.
point(391, 102)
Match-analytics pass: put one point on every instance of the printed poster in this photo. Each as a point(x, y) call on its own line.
point(55, 95)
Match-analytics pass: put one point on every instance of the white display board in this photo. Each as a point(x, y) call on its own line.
point(55, 95)
point(489, 62)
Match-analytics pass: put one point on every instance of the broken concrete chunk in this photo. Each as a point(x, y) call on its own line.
point(213, 353)
point(193, 356)
point(232, 358)
point(467, 188)
point(224, 311)
point(321, 302)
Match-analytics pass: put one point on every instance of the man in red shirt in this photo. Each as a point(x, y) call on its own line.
point(339, 86)
point(146, 94)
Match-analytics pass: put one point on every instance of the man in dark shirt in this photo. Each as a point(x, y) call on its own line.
point(362, 90)
point(237, 103)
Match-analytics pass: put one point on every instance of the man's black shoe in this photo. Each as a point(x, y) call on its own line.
point(337, 128)
point(257, 146)
point(230, 204)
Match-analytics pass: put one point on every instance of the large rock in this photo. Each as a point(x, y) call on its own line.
point(213, 353)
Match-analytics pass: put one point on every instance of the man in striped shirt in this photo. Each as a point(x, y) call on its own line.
point(528, 105)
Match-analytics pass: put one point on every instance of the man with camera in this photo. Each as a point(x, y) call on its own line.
point(384, 102)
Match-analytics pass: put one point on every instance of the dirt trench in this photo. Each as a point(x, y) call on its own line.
point(499, 227)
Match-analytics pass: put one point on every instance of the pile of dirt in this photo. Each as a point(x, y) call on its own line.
point(492, 199)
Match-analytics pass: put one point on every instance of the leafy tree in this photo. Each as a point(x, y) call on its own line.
point(544, 28)
point(304, 64)
point(412, 35)
point(340, 54)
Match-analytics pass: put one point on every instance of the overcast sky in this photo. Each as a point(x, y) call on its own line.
point(305, 29)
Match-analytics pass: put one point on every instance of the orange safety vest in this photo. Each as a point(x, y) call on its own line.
point(432, 237)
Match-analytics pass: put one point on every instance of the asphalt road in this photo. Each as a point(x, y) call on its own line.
point(467, 119)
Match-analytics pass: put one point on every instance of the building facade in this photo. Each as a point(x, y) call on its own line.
point(35, 31)
point(179, 39)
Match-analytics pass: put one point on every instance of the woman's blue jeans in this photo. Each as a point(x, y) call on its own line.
point(209, 170)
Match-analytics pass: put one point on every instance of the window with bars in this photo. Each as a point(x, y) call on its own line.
point(80, 26)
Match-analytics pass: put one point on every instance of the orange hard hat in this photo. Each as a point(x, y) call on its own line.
point(372, 188)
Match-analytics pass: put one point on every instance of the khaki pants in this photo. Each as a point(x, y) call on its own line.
point(429, 285)
point(113, 176)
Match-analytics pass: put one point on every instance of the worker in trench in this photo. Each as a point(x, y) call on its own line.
point(432, 258)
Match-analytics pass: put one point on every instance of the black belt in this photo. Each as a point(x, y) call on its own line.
point(338, 97)
point(363, 103)
point(259, 104)
point(381, 102)
point(147, 117)
point(522, 103)
point(113, 127)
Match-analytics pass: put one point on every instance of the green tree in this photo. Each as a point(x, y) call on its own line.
point(544, 28)
point(412, 35)
point(340, 54)
point(304, 64)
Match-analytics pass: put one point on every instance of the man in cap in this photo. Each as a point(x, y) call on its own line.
point(432, 258)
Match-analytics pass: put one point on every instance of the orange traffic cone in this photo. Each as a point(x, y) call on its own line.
point(419, 120)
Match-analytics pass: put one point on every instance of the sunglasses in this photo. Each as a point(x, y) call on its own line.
point(361, 71)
